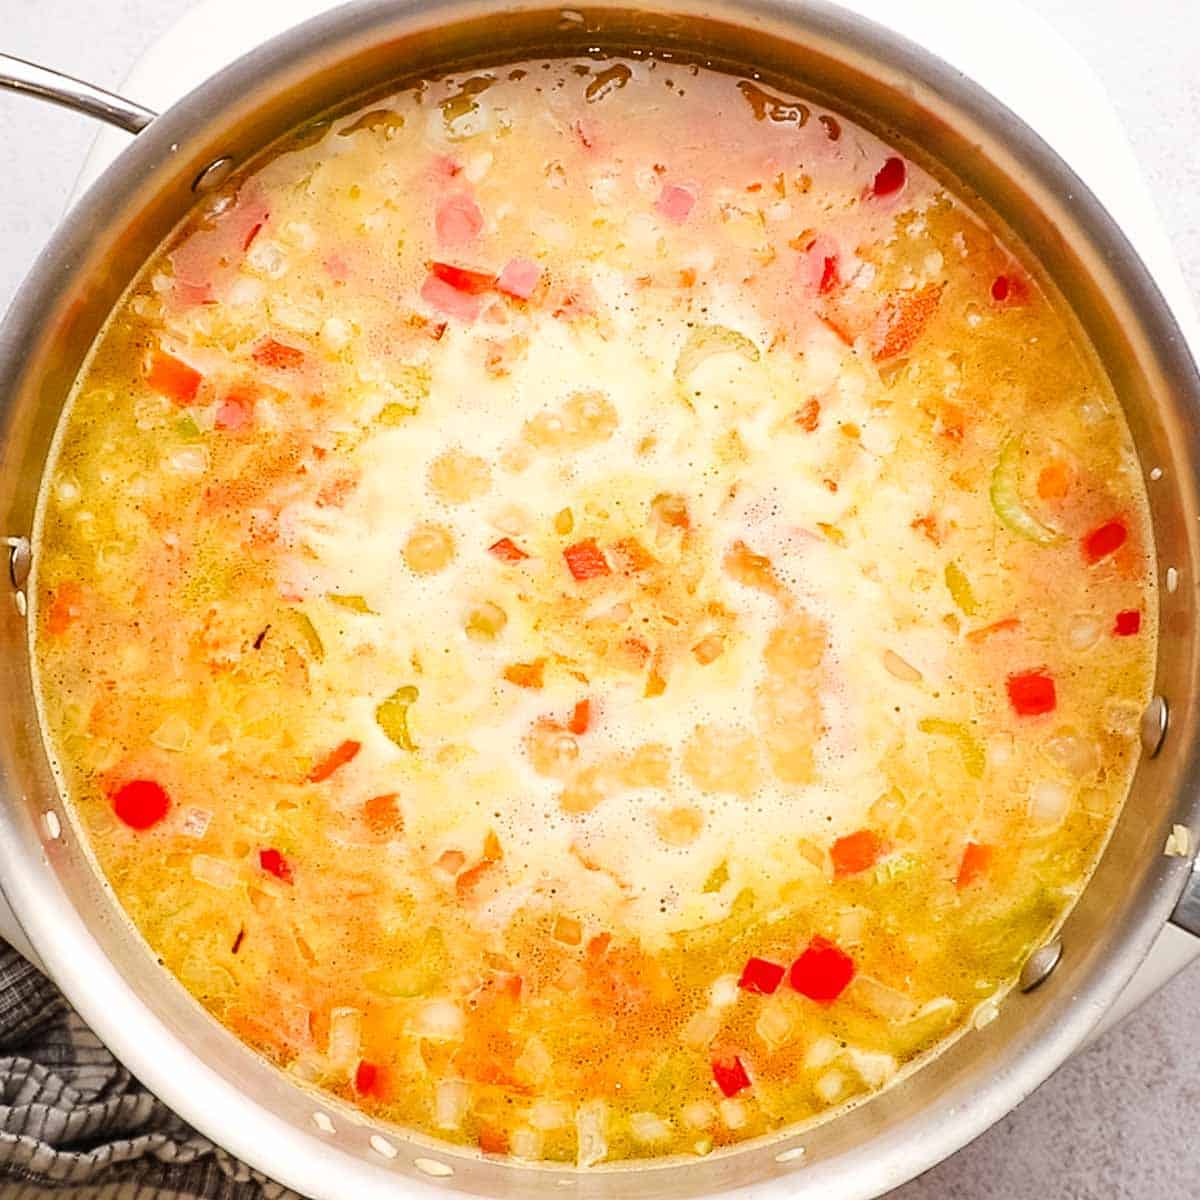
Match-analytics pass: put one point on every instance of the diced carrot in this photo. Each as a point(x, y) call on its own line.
point(492, 1140)
point(458, 220)
point(1054, 480)
point(567, 930)
point(462, 279)
point(1007, 625)
point(808, 415)
point(519, 278)
point(904, 318)
point(952, 422)
point(671, 509)
point(526, 675)
point(586, 560)
point(172, 378)
point(65, 608)
point(976, 859)
point(580, 717)
point(631, 556)
point(382, 814)
point(856, 852)
point(506, 550)
point(277, 356)
point(339, 756)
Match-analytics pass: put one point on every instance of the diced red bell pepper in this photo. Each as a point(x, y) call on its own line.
point(976, 859)
point(370, 1079)
point(891, 177)
point(822, 972)
point(277, 356)
point(586, 560)
point(474, 283)
point(730, 1075)
point(676, 203)
point(856, 852)
point(170, 377)
point(339, 756)
point(141, 803)
point(458, 220)
point(1104, 540)
point(492, 1140)
point(444, 298)
point(581, 717)
point(519, 278)
point(506, 550)
point(1032, 693)
point(275, 864)
point(1127, 623)
point(762, 976)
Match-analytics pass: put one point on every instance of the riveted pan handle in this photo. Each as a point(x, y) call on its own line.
point(1187, 911)
point(20, 76)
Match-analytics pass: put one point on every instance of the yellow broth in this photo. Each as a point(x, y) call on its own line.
point(593, 609)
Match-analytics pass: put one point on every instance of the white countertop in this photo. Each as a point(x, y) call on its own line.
point(1119, 1121)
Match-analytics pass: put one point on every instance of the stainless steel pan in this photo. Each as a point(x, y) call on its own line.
point(903, 92)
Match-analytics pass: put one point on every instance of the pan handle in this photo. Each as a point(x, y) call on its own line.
point(20, 76)
point(1187, 911)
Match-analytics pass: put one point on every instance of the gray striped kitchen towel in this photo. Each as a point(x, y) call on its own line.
point(75, 1125)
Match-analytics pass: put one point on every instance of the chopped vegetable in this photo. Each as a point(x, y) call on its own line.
point(1054, 481)
point(506, 550)
point(585, 560)
point(959, 587)
point(392, 716)
point(141, 803)
point(1105, 540)
point(976, 860)
point(969, 748)
point(519, 278)
point(1006, 497)
point(730, 1075)
point(527, 675)
point(1128, 622)
point(808, 416)
point(275, 864)
point(173, 378)
point(370, 1079)
point(705, 341)
point(856, 852)
point(382, 814)
point(891, 177)
point(676, 203)
point(278, 356)
point(445, 298)
point(1007, 625)
point(462, 279)
point(581, 717)
point(1032, 693)
point(339, 756)
point(904, 318)
point(492, 1139)
point(66, 606)
point(458, 221)
point(822, 972)
point(761, 976)
point(351, 603)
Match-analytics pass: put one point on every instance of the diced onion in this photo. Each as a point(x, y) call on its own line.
point(881, 999)
point(534, 1061)
point(733, 1113)
point(196, 822)
point(1179, 842)
point(450, 1103)
point(701, 1028)
point(724, 991)
point(214, 871)
point(648, 1128)
point(591, 1125)
point(549, 1115)
point(900, 668)
point(874, 1068)
point(699, 1114)
point(173, 734)
point(705, 341)
point(1049, 802)
point(830, 1086)
point(1079, 755)
point(986, 1013)
point(439, 1020)
point(188, 460)
point(1084, 632)
point(821, 1053)
point(345, 1034)
point(774, 1024)
point(526, 1144)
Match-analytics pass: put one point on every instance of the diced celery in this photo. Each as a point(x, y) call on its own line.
point(392, 716)
point(968, 747)
point(1006, 497)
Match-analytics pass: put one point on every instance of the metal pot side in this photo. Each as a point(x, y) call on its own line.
point(104, 967)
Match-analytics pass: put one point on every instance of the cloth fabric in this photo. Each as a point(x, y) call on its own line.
point(75, 1125)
